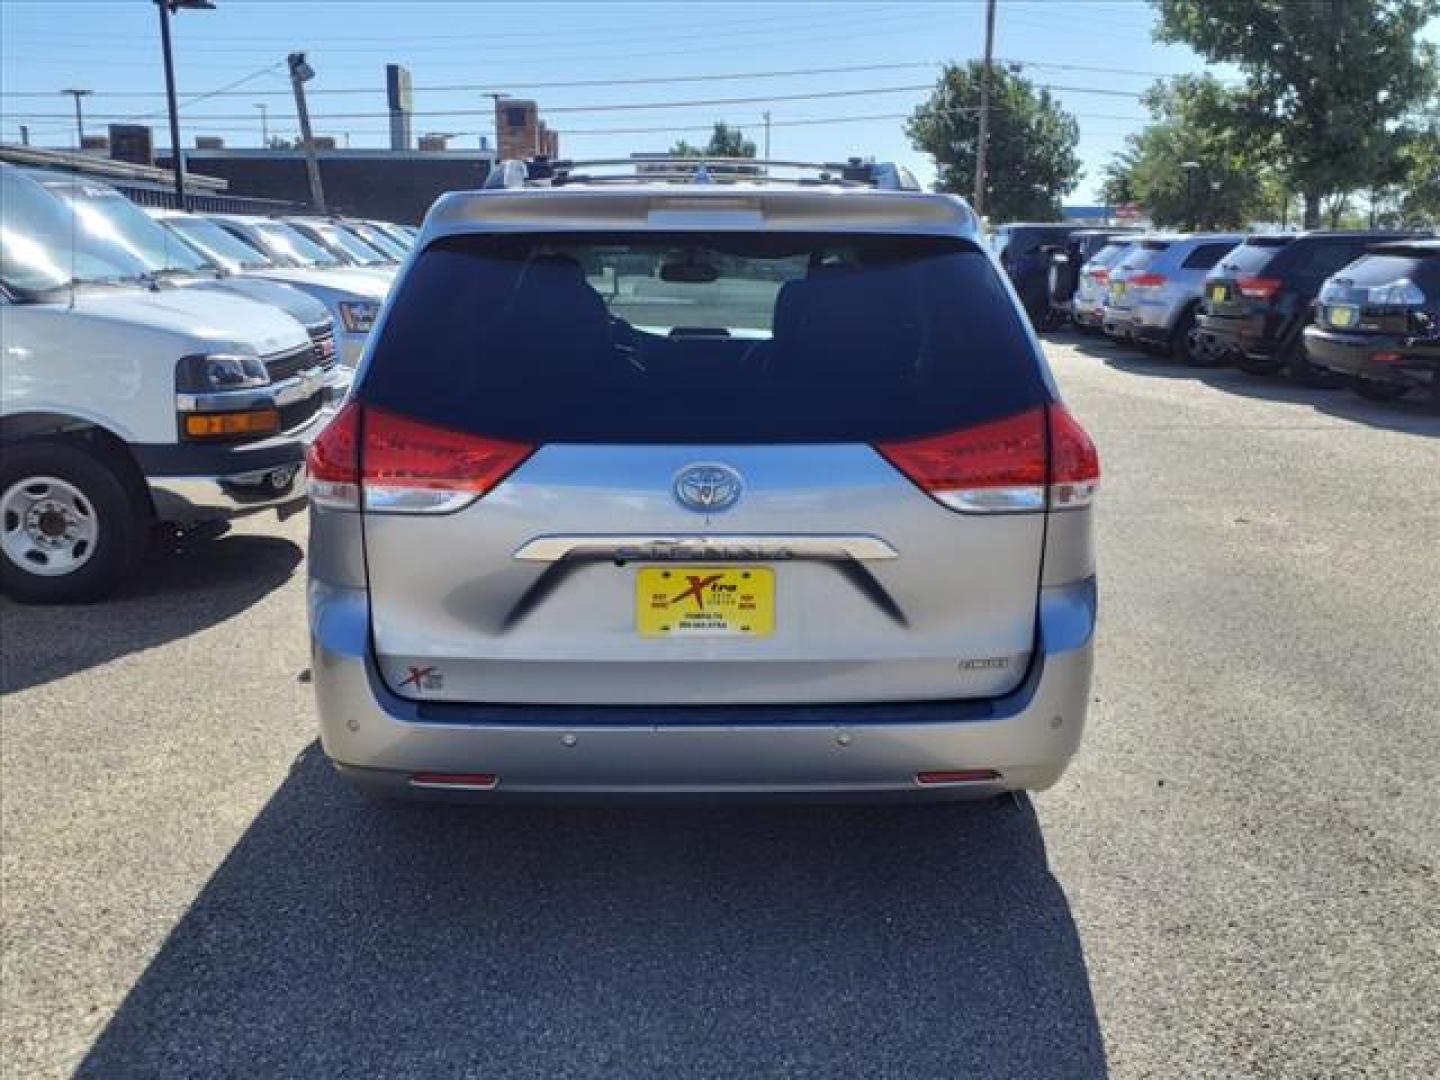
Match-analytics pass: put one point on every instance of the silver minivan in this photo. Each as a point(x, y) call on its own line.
point(712, 488)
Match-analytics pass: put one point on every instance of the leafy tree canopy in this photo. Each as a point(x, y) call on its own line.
point(1030, 161)
point(725, 141)
point(1328, 86)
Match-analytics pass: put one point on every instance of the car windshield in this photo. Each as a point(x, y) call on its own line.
point(109, 216)
point(378, 240)
point(361, 252)
point(702, 337)
point(291, 244)
point(219, 246)
point(43, 247)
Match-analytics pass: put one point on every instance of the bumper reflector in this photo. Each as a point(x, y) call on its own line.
point(462, 781)
point(958, 776)
point(1385, 357)
point(230, 424)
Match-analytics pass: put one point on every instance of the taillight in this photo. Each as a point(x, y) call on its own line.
point(1102, 276)
point(1258, 288)
point(1147, 281)
point(1005, 466)
point(394, 464)
point(333, 461)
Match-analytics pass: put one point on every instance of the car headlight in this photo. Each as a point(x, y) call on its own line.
point(1402, 293)
point(359, 315)
point(208, 372)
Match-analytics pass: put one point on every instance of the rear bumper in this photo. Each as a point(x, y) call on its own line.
point(1251, 335)
point(1115, 322)
point(1418, 363)
point(829, 752)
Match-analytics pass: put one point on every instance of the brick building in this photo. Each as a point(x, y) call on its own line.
point(521, 133)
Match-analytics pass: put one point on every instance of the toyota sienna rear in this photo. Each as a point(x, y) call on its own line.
point(727, 488)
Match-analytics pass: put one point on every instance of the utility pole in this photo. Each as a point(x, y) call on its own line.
point(24, 134)
point(982, 144)
point(79, 116)
point(300, 74)
point(264, 123)
point(767, 135)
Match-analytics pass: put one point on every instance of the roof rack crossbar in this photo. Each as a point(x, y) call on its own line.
point(667, 168)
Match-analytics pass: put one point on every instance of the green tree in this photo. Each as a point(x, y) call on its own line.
point(1420, 198)
point(1030, 160)
point(725, 141)
point(1327, 84)
point(1190, 168)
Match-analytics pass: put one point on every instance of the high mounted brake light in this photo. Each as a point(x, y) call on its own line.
point(393, 464)
point(1038, 459)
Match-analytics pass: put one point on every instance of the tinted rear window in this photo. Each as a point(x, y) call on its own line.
point(1109, 255)
point(1252, 256)
point(1206, 255)
point(1383, 269)
point(703, 338)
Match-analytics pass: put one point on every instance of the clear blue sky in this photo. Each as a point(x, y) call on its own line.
point(112, 48)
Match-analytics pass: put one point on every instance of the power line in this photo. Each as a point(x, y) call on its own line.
point(480, 88)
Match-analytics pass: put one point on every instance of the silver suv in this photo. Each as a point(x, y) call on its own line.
point(1155, 291)
point(700, 483)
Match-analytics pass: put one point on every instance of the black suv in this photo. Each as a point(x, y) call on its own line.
point(1260, 297)
point(1379, 320)
point(1024, 250)
point(1067, 259)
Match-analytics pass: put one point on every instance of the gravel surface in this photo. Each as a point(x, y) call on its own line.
point(1238, 876)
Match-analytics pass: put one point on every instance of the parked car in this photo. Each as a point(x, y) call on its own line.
point(352, 300)
point(123, 404)
point(1164, 295)
point(109, 216)
point(376, 238)
point(1087, 306)
point(861, 568)
point(342, 243)
point(1069, 259)
point(1115, 307)
point(288, 246)
point(1378, 320)
point(1260, 297)
point(1024, 250)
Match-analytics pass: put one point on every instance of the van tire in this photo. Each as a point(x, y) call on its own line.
point(88, 497)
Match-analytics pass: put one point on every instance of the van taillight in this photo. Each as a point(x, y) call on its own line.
point(398, 465)
point(1258, 288)
point(1038, 458)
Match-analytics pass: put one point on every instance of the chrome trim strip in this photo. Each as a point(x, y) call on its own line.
point(705, 546)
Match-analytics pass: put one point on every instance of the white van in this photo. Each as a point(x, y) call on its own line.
point(123, 405)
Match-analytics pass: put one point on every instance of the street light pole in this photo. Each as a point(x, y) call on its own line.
point(79, 116)
point(264, 123)
point(177, 160)
point(1190, 167)
point(300, 74)
point(982, 142)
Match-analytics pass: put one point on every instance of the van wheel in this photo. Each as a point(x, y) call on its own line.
point(1374, 390)
point(69, 529)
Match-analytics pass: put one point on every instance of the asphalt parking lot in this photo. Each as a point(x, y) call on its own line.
point(1238, 877)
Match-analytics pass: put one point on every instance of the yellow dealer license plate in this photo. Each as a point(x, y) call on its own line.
point(1217, 292)
point(705, 601)
point(1343, 315)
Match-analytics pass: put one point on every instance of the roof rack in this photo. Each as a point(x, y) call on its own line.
point(671, 169)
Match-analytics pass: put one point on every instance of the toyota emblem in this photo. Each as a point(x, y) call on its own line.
point(708, 489)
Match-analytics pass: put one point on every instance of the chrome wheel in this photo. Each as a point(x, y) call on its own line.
point(48, 526)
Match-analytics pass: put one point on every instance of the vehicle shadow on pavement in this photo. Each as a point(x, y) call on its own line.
point(1412, 415)
point(183, 586)
point(341, 937)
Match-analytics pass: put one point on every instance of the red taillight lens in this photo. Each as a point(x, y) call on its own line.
point(1101, 276)
point(1004, 466)
point(1258, 288)
point(402, 465)
point(994, 467)
point(1074, 461)
point(1147, 281)
point(333, 461)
